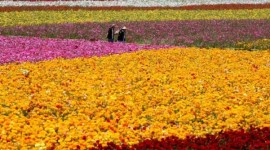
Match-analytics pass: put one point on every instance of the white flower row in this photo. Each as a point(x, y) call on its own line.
point(136, 3)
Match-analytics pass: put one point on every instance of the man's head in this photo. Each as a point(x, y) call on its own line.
point(113, 26)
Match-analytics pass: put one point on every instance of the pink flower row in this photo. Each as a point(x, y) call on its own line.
point(20, 49)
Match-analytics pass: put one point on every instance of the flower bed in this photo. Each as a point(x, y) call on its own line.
point(199, 33)
point(56, 0)
point(193, 7)
point(255, 138)
point(132, 97)
point(255, 45)
point(137, 3)
point(19, 49)
point(50, 17)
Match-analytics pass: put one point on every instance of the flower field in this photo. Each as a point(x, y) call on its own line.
point(189, 77)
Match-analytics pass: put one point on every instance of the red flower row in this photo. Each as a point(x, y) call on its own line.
point(194, 7)
point(254, 138)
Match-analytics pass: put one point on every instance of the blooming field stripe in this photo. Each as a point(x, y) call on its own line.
point(199, 33)
point(66, 103)
point(258, 44)
point(50, 17)
point(20, 49)
point(192, 7)
point(137, 3)
point(254, 138)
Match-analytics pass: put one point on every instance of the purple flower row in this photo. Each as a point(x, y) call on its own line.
point(200, 33)
point(20, 49)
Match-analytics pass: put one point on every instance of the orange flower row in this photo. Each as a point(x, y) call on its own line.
point(131, 97)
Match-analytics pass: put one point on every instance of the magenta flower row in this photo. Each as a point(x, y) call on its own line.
point(33, 49)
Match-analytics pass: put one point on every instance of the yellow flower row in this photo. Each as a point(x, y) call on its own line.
point(49, 17)
point(132, 96)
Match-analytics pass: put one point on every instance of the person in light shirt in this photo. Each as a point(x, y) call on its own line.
point(122, 35)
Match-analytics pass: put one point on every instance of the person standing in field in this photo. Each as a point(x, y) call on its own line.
point(122, 35)
point(111, 32)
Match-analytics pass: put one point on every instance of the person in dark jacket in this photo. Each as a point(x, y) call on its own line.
point(122, 35)
point(110, 35)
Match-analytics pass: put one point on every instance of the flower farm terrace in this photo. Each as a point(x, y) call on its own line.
point(191, 75)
